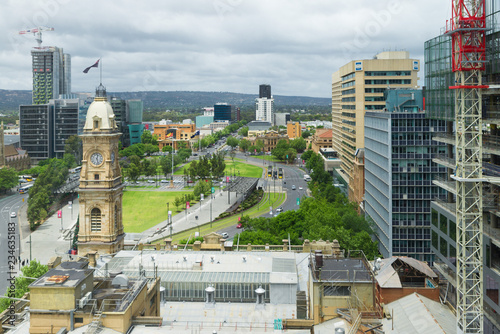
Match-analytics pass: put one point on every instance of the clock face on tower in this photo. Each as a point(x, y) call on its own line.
point(96, 159)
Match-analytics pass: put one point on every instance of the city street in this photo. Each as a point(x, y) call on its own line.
point(8, 205)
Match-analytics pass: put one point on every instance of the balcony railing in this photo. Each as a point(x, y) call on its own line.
point(448, 206)
point(492, 232)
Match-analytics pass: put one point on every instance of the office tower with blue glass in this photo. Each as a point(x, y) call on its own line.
point(399, 174)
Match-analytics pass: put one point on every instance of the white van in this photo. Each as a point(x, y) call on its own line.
point(307, 178)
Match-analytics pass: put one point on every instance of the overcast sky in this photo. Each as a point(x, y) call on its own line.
point(214, 45)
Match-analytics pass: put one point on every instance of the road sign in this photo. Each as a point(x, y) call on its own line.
point(169, 213)
point(202, 197)
point(187, 205)
point(239, 219)
point(298, 201)
point(227, 178)
point(213, 190)
point(59, 214)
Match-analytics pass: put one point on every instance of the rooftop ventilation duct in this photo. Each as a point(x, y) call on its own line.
point(120, 281)
point(260, 295)
point(210, 295)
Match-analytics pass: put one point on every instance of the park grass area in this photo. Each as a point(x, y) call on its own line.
point(244, 169)
point(268, 158)
point(273, 199)
point(145, 209)
point(180, 171)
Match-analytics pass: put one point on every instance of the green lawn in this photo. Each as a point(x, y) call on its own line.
point(181, 170)
point(145, 209)
point(269, 158)
point(244, 169)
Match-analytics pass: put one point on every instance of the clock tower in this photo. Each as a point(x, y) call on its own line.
point(101, 188)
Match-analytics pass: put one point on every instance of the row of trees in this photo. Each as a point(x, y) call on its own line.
point(52, 175)
point(206, 167)
point(328, 215)
point(213, 138)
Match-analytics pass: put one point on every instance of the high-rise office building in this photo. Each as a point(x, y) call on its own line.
point(222, 112)
point(398, 174)
point(44, 128)
point(51, 74)
point(135, 109)
point(358, 87)
point(265, 91)
point(440, 105)
point(264, 105)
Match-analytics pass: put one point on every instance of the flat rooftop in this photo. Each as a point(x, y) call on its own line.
point(62, 278)
point(206, 266)
point(344, 270)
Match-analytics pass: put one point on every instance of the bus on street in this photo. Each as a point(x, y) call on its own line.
point(25, 189)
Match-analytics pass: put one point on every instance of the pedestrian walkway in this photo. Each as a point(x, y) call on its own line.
point(198, 214)
point(48, 239)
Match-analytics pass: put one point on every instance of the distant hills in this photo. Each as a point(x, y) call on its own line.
point(12, 99)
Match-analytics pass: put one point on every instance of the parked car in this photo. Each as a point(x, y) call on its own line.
point(151, 181)
point(164, 181)
point(240, 225)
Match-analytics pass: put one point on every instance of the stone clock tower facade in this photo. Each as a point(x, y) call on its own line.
point(101, 188)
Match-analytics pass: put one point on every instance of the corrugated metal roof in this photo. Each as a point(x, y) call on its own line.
point(418, 314)
point(387, 277)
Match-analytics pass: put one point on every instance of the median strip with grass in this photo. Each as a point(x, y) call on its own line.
point(276, 199)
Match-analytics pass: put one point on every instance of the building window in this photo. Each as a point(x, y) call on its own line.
point(336, 291)
point(434, 218)
point(96, 125)
point(78, 320)
point(116, 217)
point(443, 247)
point(434, 240)
point(95, 220)
point(96, 177)
point(443, 224)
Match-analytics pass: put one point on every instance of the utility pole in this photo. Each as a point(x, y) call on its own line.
point(228, 192)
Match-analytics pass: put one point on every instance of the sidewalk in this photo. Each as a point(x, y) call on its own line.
point(47, 240)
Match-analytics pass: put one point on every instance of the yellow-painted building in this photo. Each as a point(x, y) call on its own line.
point(172, 134)
point(293, 130)
point(335, 283)
point(70, 296)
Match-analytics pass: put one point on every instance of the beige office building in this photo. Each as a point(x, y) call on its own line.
point(359, 86)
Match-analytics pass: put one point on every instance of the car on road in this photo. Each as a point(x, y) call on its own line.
point(164, 181)
point(293, 187)
point(300, 188)
point(280, 209)
point(151, 181)
point(13, 215)
point(240, 225)
point(224, 235)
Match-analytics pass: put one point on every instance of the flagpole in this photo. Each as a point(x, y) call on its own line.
point(100, 71)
